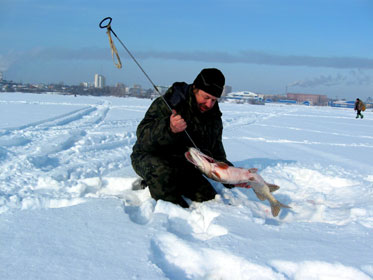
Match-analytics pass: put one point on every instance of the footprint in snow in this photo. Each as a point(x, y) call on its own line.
point(195, 223)
point(180, 259)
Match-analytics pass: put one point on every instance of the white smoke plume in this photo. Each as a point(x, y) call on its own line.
point(353, 77)
point(6, 60)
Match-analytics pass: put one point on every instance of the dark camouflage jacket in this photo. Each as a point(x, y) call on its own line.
point(155, 137)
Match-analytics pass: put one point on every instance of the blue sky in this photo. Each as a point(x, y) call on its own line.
point(265, 46)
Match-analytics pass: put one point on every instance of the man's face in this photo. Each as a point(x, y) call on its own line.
point(205, 101)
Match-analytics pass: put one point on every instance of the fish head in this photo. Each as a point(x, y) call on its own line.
point(199, 159)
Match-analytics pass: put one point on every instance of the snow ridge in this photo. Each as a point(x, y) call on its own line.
point(66, 196)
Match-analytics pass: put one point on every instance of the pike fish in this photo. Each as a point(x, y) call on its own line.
point(222, 172)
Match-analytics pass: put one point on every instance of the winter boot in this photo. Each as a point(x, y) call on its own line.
point(362, 116)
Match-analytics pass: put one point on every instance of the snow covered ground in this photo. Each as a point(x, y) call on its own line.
point(67, 210)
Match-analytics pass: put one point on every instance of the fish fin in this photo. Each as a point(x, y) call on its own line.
point(222, 165)
point(272, 187)
point(275, 209)
point(215, 175)
point(260, 196)
point(276, 206)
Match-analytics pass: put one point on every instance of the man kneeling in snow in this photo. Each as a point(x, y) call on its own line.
point(158, 154)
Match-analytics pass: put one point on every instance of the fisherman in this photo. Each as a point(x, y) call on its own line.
point(359, 107)
point(158, 154)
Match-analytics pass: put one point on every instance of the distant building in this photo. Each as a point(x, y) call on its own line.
point(135, 90)
point(313, 99)
point(242, 95)
point(99, 81)
point(120, 85)
point(162, 89)
point(85, 84)
point(342, 103)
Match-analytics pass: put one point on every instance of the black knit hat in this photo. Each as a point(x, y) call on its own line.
point(210, 80)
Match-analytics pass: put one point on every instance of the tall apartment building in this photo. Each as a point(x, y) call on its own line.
point(99, 81)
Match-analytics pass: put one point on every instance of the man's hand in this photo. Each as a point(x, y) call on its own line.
point(177, 123)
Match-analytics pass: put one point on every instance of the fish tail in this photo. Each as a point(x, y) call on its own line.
point(272, 187)
point(276, 207)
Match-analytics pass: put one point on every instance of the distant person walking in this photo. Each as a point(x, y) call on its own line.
point(359, 106)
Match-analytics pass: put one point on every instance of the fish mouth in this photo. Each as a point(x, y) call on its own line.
point(189, 157)
point(201, 157)
point(209, 159)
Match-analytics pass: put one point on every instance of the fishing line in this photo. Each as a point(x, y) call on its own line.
point(119, 64)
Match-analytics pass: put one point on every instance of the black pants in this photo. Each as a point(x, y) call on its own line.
point(170, 179)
